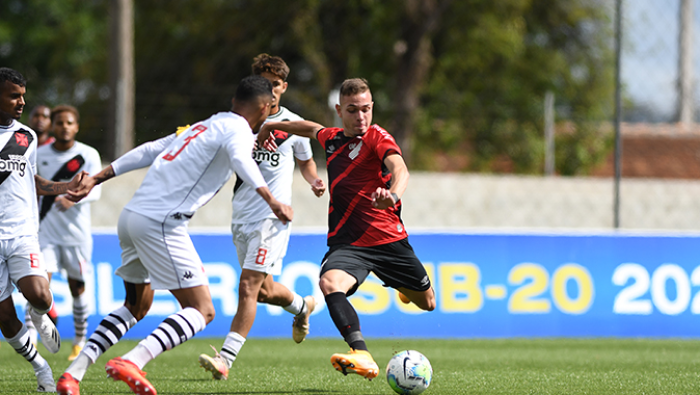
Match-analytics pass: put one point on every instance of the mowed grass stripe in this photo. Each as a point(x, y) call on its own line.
point(500, 366)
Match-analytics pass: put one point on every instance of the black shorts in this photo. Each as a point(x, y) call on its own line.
point(395, 264)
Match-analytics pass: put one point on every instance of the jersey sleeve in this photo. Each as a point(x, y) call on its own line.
point(240, 147)
point(384, 143)
point(302, 148)
point(33, 146)
point(141, 156)
point(323, 135)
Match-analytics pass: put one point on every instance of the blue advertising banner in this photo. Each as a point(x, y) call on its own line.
point(487, 285)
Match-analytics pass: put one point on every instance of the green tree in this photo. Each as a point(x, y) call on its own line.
point(59, 46)
point(454, 81)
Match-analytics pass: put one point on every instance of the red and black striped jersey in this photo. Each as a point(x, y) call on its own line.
point(355, 170)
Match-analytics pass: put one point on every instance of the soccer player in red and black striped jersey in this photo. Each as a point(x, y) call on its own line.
point(367, 176)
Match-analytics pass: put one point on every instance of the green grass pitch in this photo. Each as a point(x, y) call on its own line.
point(502, 366)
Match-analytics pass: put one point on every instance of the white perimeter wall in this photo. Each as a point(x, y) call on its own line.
point(459, 201)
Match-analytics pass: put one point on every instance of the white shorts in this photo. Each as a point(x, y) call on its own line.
point(262, 245)
point(161, 253)
point(19, 257)
point(74, 259)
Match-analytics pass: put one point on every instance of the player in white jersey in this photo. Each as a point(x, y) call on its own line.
point(65, 233)
point(260, 238)
point(21, 262)
point(157, 252)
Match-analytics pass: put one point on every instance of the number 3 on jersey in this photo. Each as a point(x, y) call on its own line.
point(197, 130)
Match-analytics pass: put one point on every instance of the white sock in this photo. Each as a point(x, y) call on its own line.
point(139, 355)
point(33, 334)
point(232, 346)
point(79, 366)
point(24, 347)
point(80, 316)
point(298, 305)
point(108, 333)
point(173, 331)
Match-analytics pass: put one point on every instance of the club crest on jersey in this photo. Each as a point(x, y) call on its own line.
point(13, 163)
point(354, 150)
point(280, 134)
point(73, 165)
point(263, 155)
point(21, 140)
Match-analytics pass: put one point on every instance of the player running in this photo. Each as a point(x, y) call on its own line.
point(65, 233)
point(187, 169)
point(260, 238)
point(367, 177)
point(21, 262)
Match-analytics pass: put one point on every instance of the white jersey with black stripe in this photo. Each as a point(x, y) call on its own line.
point(71, 227)
point(278, 170)
point(18, 201)
point(194, 166)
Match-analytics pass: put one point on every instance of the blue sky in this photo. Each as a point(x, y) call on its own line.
point(650, 52)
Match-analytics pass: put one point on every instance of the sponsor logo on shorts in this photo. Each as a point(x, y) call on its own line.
point(14, 163)
point(180, 216)
point(188, 275)
point(425, 280)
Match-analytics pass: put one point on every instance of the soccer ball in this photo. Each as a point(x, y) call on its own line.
point(409, 372)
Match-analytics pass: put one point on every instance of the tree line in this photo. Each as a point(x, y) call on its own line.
point(460, 84)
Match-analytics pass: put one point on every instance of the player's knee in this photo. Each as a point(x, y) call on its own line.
point(76, 288)
point(40, 298)
point(328, 286)
point(208, 312)
point(263, 295)
point(430, 303)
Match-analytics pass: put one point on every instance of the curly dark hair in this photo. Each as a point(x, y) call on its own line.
point(8, 74)
point(271, 64)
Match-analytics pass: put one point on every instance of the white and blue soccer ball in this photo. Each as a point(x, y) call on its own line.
point(409, 372)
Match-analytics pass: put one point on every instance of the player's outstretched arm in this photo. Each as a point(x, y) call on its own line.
point(300, 128)
point(76, 189)
point(281, 210)
point(308, 171)
point(384, 198)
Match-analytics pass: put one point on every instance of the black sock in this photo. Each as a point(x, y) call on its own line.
point(345, 319)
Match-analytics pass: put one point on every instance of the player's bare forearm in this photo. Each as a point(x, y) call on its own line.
point(281, 210)
point(384, 198)
point(309, 172)
point(399, 174)
point(46, 187)
point(300, 128)
point(104, 175)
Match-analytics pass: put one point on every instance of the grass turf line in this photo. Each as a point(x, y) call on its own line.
point(501, 366)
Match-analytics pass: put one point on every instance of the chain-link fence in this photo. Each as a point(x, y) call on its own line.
point(485, 69)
